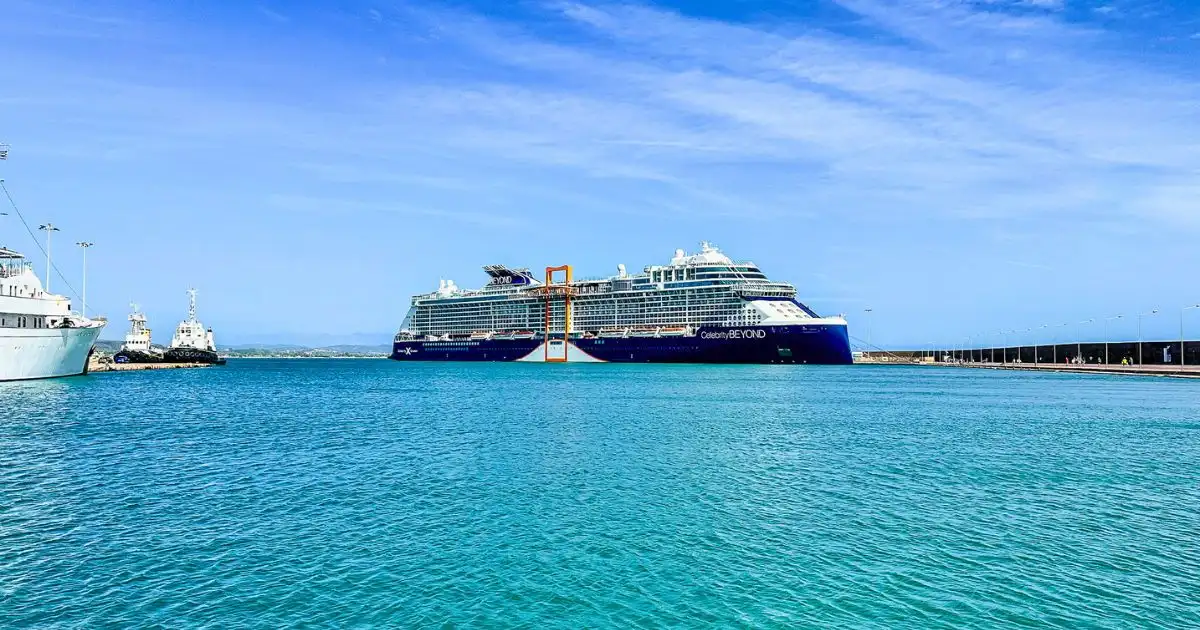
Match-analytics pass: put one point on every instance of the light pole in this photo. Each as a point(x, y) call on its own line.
point(1021, 347)
point(85, 246)
point(1079, 343)
point(49, 227)
point(1004, 343)
point(868, 312)
point(1182, 338)
point(1140, 316)
point(1106, 320)
point(1035, 346)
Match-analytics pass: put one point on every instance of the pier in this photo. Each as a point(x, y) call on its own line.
point(1175, 371)
point(105, 364)
point(1147, 358)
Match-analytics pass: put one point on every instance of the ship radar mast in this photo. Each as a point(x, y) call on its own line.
point(191, 305)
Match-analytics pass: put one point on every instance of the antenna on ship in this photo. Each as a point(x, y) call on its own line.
point(191, 304)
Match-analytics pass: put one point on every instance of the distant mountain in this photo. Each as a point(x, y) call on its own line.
point(303, 340)
point(293, 349)
point(108, 346)
point(263, 346)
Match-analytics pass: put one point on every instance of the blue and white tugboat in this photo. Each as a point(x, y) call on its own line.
point(699, 308)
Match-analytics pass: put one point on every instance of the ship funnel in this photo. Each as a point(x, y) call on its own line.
point(621, 270)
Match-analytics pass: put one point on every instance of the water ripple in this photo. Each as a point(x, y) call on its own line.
point(369, 493)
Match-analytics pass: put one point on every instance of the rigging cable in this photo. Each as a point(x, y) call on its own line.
point(35, 239)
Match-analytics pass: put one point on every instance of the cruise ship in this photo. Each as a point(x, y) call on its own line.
point(698, 308)
point(39, 335)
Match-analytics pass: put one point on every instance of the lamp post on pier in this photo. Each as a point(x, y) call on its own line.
point(1140, 316)
point(1035, 346)
point(1106, 320)
point(1182, 338)
point(868, 312)
point(49, 227)
point(1079, 342)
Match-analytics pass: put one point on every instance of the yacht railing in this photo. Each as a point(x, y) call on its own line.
point(8, 270)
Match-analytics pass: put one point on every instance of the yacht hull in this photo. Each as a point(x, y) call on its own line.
point(29, 353)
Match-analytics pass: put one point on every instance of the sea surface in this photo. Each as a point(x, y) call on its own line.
point(368, 493)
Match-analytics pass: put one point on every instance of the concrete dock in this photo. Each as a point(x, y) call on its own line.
point(96, 365)
point(1173, 371)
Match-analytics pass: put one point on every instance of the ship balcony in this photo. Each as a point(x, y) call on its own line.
point(555, 290)
point(764, 290)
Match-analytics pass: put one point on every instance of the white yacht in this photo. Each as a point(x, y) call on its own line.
point(39, 335)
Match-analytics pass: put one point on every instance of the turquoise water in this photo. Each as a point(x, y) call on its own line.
point(370, 493)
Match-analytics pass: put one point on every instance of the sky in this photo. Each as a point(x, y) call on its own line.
point(957, 167)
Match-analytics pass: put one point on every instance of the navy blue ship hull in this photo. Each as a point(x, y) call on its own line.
point(811, 344)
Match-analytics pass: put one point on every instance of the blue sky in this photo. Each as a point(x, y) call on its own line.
point(960, 167)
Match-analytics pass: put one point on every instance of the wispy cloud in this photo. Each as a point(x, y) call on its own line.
point(358, 207)
point(271, 14)
point(973, 109)
point(952, 109)
point(982, 117)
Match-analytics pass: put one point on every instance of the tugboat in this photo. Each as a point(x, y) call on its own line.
point(192, 342)
point(137, 348)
